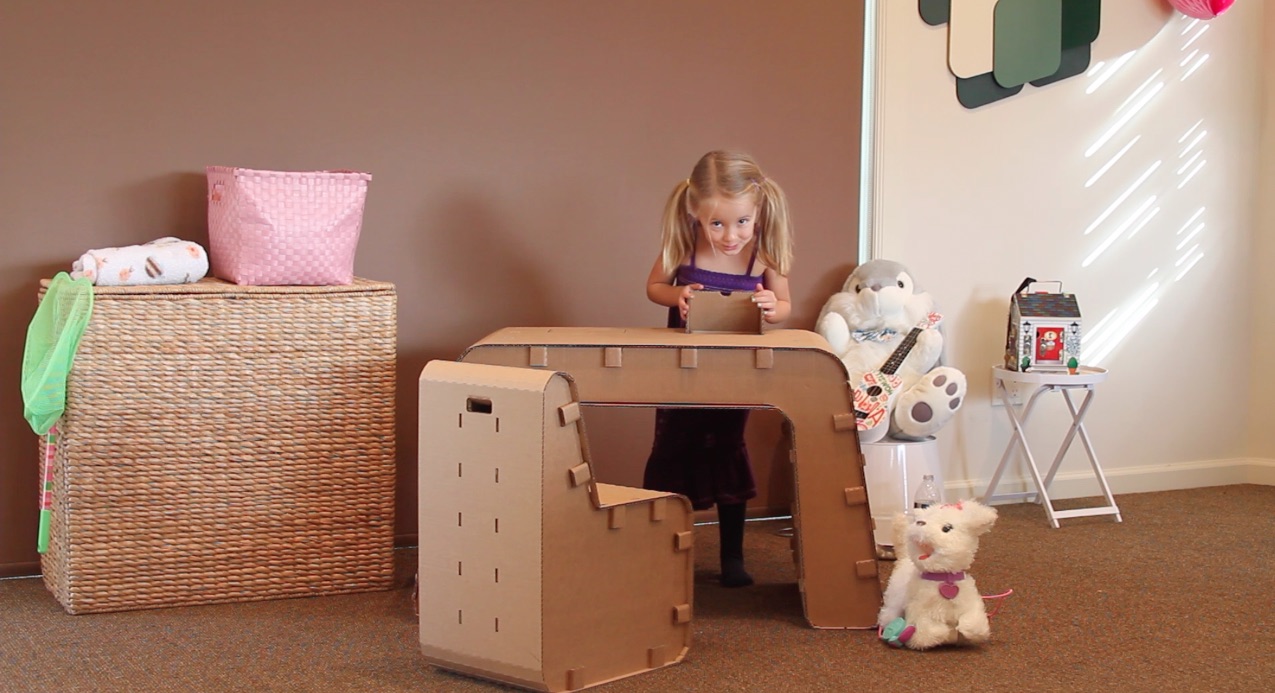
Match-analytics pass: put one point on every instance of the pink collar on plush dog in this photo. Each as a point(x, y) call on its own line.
point(949, 588)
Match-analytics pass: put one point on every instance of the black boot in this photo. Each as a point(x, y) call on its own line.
point(731, 529)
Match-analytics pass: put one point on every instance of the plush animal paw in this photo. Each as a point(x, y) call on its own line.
point(929, 404)
point(930, 635)
point(974, 627)
point(832, 326)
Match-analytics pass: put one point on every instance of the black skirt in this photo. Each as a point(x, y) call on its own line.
point(700, 453)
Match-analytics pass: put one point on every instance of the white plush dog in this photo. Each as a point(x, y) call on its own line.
point(931, 598)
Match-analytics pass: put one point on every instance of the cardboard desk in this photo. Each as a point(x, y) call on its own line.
point(793, 371)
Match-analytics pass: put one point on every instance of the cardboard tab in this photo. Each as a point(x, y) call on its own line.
point(537, 356)
point(575, 679)
point(656, 656)
point(657, 510)
point(866, 569)
point(857, 496)
point(844, 422)
point(613, 357)
point(690, 357)
point(683, 541)
point(569, 414)
point(616, 519)
point(682, 613)
point(764, 358)
point(580, 474)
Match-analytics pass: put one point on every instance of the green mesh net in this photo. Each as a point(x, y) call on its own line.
point(52, 338)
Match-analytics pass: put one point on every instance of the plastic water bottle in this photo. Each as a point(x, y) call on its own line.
point(927, 493)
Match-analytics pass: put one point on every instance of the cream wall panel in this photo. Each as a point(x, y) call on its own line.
point(969, 47)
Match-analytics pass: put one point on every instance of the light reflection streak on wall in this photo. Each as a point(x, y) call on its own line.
point(1145, 73)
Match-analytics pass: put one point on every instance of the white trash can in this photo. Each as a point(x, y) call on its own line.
point(893, 470)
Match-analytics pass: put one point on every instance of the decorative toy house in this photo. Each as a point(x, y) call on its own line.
point(1044, 330)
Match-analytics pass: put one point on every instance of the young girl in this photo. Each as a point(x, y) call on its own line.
point(725, 228)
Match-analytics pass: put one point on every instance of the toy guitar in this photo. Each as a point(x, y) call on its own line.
point(877, 389)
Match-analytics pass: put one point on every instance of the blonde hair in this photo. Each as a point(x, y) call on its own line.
point(727, 174)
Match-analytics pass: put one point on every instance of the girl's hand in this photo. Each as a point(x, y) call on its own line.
point(767, 302)
point(684, 298)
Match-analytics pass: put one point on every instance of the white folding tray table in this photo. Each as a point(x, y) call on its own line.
point(1086, 378)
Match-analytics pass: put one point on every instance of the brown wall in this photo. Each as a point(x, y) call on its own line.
point(521, 153)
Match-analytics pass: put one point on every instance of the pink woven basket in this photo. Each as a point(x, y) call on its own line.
point(282, 227)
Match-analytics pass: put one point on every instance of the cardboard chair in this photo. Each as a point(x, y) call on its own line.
point(531, 572)
point(793, 371)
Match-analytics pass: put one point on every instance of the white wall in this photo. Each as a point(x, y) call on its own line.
point(974, 200)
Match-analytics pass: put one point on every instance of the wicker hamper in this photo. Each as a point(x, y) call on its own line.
point(226, 443)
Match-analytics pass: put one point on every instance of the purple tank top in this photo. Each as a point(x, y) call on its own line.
point(720, 281)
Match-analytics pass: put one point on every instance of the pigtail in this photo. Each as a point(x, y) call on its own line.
point(775, 238)
point(677, 237)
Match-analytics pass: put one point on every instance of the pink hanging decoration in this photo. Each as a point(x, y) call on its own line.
point(1201, 9)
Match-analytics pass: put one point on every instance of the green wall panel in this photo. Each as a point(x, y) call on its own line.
point(935, 12)
point(1027, 40)
point(1080, 22)
point(981, 90)
point(1075, 61)
point(997, 46)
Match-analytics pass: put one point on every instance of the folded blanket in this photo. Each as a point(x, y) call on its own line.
point(162, 261)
